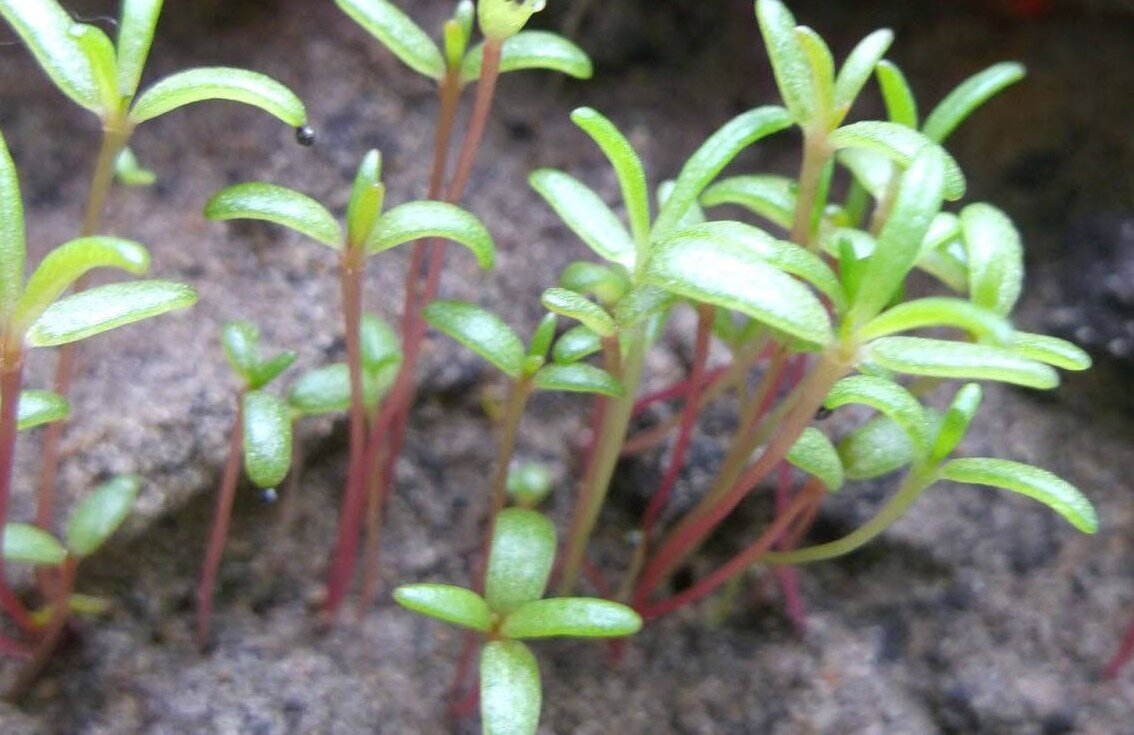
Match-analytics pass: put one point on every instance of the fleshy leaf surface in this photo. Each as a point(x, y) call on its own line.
point(519, 562)
point(455, 605)
point(220, 83)
point(814, 453)
point(48, 31)
point(587, 215)
point(399, 33)
point(944, 359)
point(104, 308)
point(510, 690)
point(578, 378)
point(28, 544)
point(279, 205)
point(1051, 490)
point(481, 331)
point(267, 438)
point(101, 513)
point(574, 617)
point(532, 50)
point(416, 220)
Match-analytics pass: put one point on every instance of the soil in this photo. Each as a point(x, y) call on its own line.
point(979, 613)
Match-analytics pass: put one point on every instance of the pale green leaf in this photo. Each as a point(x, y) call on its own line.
point(814, 454)
point(241, 342)
point(1051, 350)
point(956, 422)
point(889, 399)
point(106, 307)
point(578, 378)
point(627, 167)
point(789, 61)
point(49, 32)
point(279, 205)
point(481, 331)
point(587, 215)
point(938, 311)
point(644, 301)
point(821, 63)
point(100, 514)
point(858, 68)
point(380, 344)
point(366, 199)
point(872, 170)
point(1054, 492)
point(609, 285)
point(28, 544)
point(327, 389)
point(38, 407)
point(399, 33)
point(573, 617)
point(543, 336)
point(575, 344)
point(532, 50)
point(135, 37)
point(529, 484)
point(130, 172)
point(901, 104)
point(416, 220)
point(449, 604)
point(519, 562)
point(99, 50)
point(877, 448)
point(267, 438)
point(13, 250)
point(995, 257)
point(220, 83)
point(510, 691)
point(771, 197)
point(943, 359)
point(902, 145)
point(574, 306)
point(968, 96)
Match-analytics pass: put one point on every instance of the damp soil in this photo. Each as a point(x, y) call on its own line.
point(977, 614)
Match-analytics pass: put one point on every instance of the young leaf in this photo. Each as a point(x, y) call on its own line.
point(889, 399)
point(942, 359)
point(279, 205)
point(966, 98)
point(1051, 350)
point(574, 306)
point(918, 200)
point(130, 172)
point(510, 690)
point(366, 199)
point(101, 513)
point(68, 263)
point(100, 55)
point(642, 302)
point(135, 37)
point(606, 284)
point(28, 544)
point(587, 215)
point(47, 30)
point(446, 603)
point(543, 336)
point(502, 19)
point(771, 197)
point(576, 344)
point(1059, 495)
point(12, 247)
point(415, 220)
point(38, 407)
point(995, 257)
point(877, 448)
point(268, 371)
point(381, 346)
point(901, 104)
point(267, 438)
point(722, 272)
point(872, 170)
point(104, 308)
point(900, 144)
point(519, 563)
point(627, 166)
point(578, 378)
point(814, 454)
point(397, 32)
point(789, 61)
point(712, 157)
point(861, 63)
point(822, 67)
point(956, 422)
point(529, 484)
point(241, 343)
point(220, 83)
point(327, 389)
point(938, 311)
point(457, 32)
point(532, 50)
point(481, 331)
point(574, 617)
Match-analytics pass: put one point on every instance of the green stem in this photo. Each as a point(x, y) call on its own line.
point(816, 154)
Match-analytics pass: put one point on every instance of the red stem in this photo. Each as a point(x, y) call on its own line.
point(11, 380)
point(787, 576)
point(1125, 653)
point(13, 648)
point(678, 390)
point(222, 517)
point(52, 633)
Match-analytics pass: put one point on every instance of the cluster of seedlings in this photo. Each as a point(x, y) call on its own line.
point(808, 299)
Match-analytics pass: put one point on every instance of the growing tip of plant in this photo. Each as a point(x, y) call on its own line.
point(502, 19)
point(305, 136)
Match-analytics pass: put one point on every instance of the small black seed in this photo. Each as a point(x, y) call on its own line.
point(305, 136)
point(823, 413)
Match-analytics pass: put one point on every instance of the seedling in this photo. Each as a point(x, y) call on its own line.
point(513, 610)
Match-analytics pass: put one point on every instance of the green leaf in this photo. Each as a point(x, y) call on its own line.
point(789, 61)
point(104, 308)
point(267, 438)
point(956, 423)
point(100, 55)
point(28, 544)
point(723, 273)
point(457, 32)
point(575, 344)
point(449, 604)
point(578, 378)
point(995, 258)
point(38, 407)
point(71, 261)
point(135, 37)
point(529, 484)
point(814, 454)
point(381, 345)
point(1057, 494)
point(241, 343)
point(48, 31)
point(966, 98)
point(901, 104)
point(712, 157)
point(279, 205)
point(900, 144)
point(481, 331)
point(858, 68)
point(574, 617)
point(642, 302)
point(899, 243)
point(268, 371)
point(220, 83)
point(510, 690)
point(942, 359)
point(606, 284)
point(532, 50)
point(519, 562)
point(574, 306)
point(13, 250)
point(399, 33)
point(327, 389)
point(889, 399)
point(130, 172)
point(101, 513)
point(877, 448)
point(872, 170)
point(587, 215)
point(1050, 350)
point(543, 336)
point(366, 199)
point(416, 220)
point(822, 66)
point(938, 311)
point(771, 197)
point(627, 167)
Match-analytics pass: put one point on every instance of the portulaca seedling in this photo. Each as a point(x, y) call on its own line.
point(94, 520)
point(104, 76)
point(513, 610)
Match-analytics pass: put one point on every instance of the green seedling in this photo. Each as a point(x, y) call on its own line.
point(94, 520)
point(104, 77)
point(260, 443)
point(451, 65)
point(529, 484)
point(513, 610)
point(36, 313)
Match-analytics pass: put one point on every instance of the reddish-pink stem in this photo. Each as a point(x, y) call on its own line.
point(11, 379)
point(222, 518)
point(52, 632)
point(786, 576)
point(13, 648)
point(1125, 653)
point(680, 389)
